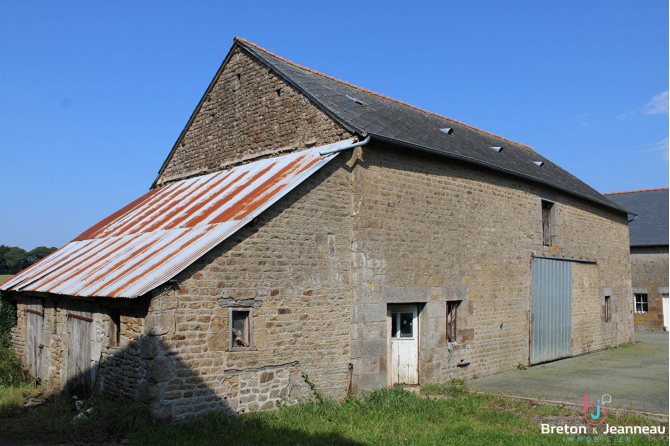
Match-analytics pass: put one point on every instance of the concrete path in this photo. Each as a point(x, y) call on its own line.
point(636, 377)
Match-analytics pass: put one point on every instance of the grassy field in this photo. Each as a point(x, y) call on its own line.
point(4, 277)
point(450, 415)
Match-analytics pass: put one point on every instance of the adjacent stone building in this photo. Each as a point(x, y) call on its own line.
point(306, 235)
point(648, 255)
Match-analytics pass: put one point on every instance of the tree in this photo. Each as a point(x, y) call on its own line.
point(14, 259)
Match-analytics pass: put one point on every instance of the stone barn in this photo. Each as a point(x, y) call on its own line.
point(305, 234)
point(648, 255)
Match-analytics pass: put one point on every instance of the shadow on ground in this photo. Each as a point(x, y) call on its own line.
point(118, 408)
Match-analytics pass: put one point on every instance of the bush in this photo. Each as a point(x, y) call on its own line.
point(11, 369)
point(7, 321)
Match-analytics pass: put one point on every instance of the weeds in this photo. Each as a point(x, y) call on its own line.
point(389, 416)
point(317, 394)
point(624, 345)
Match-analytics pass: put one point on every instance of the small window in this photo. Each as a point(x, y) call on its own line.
point(402, 324)
point(114, 327)
point(452, 314)
point(546, 222)
point(608, 309)
point(641, 303)
point(240, 330)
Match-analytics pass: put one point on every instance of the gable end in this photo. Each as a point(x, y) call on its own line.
point(247, 113)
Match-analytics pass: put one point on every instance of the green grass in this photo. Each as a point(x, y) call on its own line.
point(385, 417)
point(4, 277)
point(13, 397)
point(445, 415)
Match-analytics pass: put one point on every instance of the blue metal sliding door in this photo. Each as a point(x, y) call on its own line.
point(551, 313)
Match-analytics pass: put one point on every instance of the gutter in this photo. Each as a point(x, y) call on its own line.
point(351, 146)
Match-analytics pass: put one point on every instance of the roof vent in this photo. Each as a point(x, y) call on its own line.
point(448, 130)
point(538, 163)
point(497, 149)
point(358, 101)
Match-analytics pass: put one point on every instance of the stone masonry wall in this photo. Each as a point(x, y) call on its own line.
point(291, 268)
point(248, 113)
point(428, 229)
point(650, 276)
point(114, 369)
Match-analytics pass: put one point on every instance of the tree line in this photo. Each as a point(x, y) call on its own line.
point(14, 259)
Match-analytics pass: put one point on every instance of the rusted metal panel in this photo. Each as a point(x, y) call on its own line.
point(551, 315)
point(155, 237)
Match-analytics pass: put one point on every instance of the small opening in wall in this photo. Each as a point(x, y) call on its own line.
point(452, 317)
point(115, 327)
point(241, 330)
point(278, 90)
point(239, 76)
point(608, 309)
point(547, 208)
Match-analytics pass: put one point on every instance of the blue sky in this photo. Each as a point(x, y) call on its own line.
point(93, 95)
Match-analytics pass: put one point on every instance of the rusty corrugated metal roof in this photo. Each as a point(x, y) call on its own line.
point(152, 239)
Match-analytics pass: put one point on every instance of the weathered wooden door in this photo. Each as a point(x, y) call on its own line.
point(551, 310)
point(79, 328)
point(404, 352)
point(34, 336)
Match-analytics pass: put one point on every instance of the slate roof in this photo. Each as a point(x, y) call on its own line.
point(650, 228)
point(387, 119)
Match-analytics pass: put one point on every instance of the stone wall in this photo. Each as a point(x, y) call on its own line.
point(428, 229)
point(318, 270)
point(115, 369)
point(291, 268)
point(247, 113)
point(650, 276)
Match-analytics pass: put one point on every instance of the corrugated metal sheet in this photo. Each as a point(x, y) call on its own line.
point(155, 237)
point(551, 316)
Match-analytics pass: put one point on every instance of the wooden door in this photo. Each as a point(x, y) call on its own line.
point(404, 334)
point(34, 336)
point(79, 328)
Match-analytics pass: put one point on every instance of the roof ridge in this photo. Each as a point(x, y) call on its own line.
point(639, 190)
point(240, 39)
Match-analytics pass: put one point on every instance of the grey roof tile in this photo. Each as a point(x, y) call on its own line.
point(650, 228)
point(392, 120)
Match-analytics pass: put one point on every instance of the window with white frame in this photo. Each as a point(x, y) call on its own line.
point(641, 303)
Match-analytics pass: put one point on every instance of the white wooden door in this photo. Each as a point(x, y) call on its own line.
point(404, 344)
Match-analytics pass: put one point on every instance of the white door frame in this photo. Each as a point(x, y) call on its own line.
point(395, 309)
